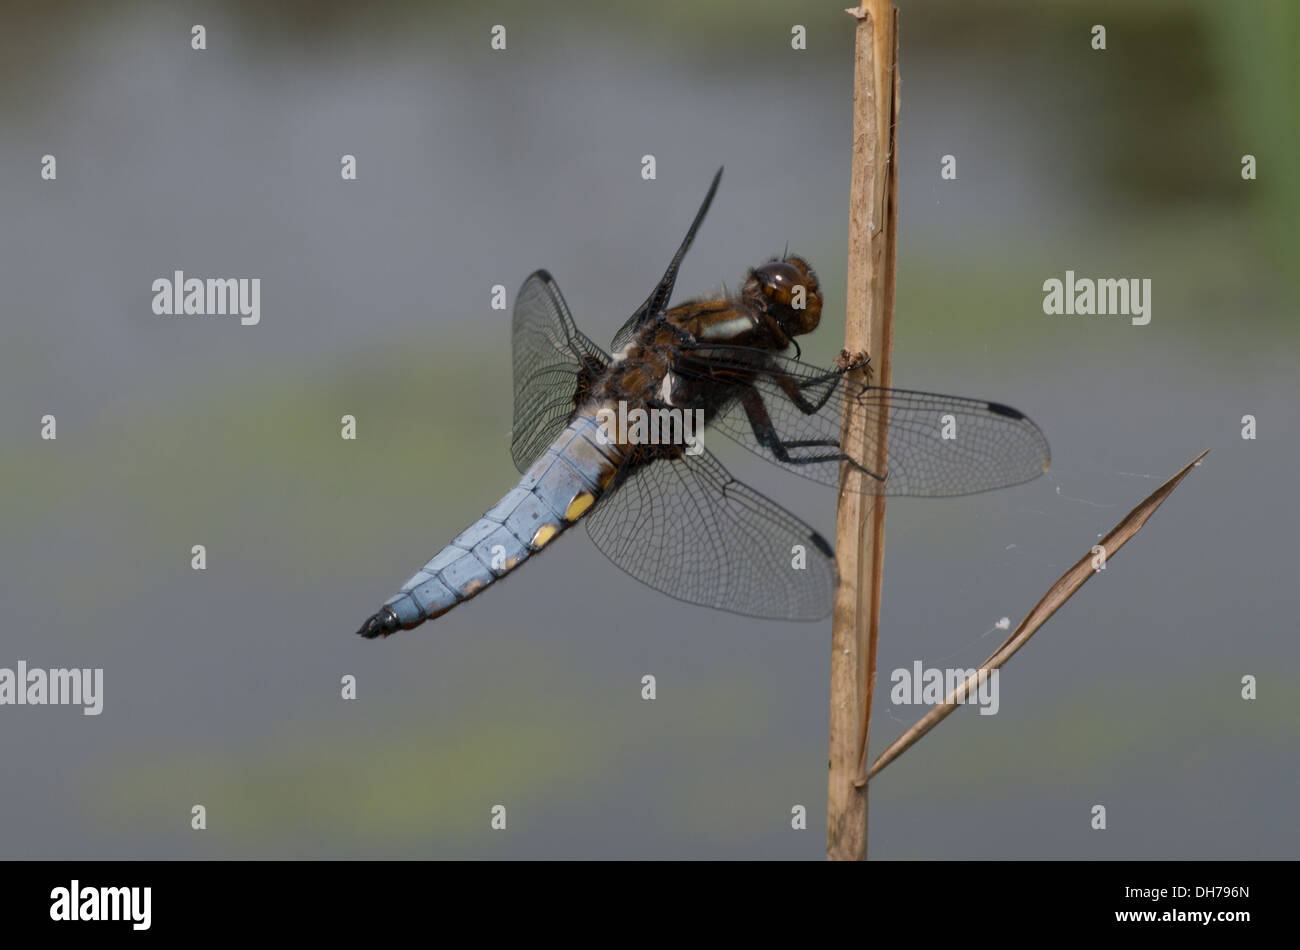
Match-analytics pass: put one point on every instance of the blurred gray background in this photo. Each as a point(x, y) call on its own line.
point(223, 687)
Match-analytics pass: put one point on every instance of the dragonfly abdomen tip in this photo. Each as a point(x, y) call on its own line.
point(379, 625)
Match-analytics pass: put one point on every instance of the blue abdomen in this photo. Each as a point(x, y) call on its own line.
point(559, 488)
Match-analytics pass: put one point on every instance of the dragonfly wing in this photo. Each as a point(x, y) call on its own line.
point(553, 361)
point(657, 302)
point(687, 528)
point(935, 445)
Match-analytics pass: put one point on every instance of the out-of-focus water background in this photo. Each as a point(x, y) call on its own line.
point(222, 687)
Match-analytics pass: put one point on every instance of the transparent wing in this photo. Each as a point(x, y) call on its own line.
point(553, 361)
point(687, 528)
point(936, 445)
point(657, 302)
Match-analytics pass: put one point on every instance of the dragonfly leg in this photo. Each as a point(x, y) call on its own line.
point(794, 387)
point(761, 423)
point(847, 361)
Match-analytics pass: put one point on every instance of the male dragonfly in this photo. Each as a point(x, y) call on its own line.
point(666, 511)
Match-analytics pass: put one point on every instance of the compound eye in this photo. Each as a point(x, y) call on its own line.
point(788, 290)
point(779, 279)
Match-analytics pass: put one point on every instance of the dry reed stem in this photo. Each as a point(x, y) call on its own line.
point(1052, 601)
point(860, 522)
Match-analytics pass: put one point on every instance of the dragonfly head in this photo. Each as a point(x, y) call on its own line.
point(788, 292)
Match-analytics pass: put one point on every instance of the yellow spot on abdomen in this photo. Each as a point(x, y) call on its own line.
point(581, 502)
point(544, 535)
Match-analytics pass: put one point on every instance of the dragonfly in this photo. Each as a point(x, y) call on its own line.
point(658, 503)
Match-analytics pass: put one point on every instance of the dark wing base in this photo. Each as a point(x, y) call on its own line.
point(553, 365)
